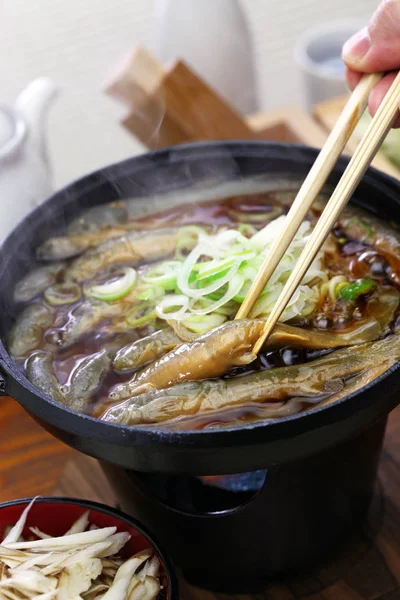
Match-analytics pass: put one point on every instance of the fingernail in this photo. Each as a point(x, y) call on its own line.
point(356, 47)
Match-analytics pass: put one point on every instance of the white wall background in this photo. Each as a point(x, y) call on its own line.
point(77, 41)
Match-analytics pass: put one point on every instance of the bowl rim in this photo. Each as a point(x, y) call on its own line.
point(116, 513)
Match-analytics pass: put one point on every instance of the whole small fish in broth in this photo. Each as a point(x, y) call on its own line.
point(86, 316)
point(40, 372)
point(63, 247)
point(100, 217)
point(131, 248)
point(218, 351)
point(323, 375)
point(138, 353)
point(86, 378)
point(27, 332)
point(36, 282)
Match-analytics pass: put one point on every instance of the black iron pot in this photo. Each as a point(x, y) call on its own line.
point(235, 450)
point(321, 465)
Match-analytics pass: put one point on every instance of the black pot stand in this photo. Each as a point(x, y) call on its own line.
point(301, 513)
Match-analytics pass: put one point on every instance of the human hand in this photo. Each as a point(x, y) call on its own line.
point(376, 48)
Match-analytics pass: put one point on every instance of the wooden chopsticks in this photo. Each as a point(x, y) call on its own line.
point(311, 187)
point(362, 157)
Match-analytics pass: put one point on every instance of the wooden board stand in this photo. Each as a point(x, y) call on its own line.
point(168, 105)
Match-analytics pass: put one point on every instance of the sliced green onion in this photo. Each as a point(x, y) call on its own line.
point(353, 291)
point(163, 274)
point(63, 293)
point(151, 293)
point(191, 292)
point(141, 315)
point(202, 324)
point(241, 295)
point(234, 286)
point(229, 309)
point(217, 273)
point(186, 235)
point(114, 290)
point(165, 308)
point(334, 286)
point(214, 267)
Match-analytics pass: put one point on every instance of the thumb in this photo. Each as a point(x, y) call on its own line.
point(376, 47)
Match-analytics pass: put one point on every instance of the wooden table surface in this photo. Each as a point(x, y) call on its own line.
point(31, 460)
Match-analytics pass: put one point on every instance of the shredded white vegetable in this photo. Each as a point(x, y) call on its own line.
point(83, 564)
point(15, 533)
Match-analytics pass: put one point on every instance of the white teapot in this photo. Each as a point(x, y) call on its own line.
point(25, 177)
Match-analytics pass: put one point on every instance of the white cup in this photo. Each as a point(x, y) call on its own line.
point(318, 54)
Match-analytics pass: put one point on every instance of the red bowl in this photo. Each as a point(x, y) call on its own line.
point(56, 515)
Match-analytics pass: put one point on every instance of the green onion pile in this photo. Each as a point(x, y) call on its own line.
point(203, 288)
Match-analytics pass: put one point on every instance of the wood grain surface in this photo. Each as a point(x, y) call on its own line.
point(31, 460)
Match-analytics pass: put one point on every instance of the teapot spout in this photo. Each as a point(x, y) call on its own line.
point(33, 104)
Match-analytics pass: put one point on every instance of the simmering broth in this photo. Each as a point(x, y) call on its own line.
point(131, 320)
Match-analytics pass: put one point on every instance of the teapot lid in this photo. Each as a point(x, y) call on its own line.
point(12, 130)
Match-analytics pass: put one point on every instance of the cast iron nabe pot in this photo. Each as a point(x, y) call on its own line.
point(321, 464)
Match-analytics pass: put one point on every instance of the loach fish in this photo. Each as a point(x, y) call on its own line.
point(151, 347)
point(39, 371)
point(131, 248)
point(98, 217)
point(28, 329)
point(218, 351)
point(324, 375)
point(86, 378)
point(86, 317)
point(145, 350)
point(36, 282)
point(211, 355)
point(63, 247)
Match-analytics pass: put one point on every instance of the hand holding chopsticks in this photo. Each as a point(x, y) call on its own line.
point(314, 182)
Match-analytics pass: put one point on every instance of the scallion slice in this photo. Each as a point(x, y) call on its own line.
point(114, 290)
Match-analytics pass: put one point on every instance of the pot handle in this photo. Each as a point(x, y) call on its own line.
point(3, 379)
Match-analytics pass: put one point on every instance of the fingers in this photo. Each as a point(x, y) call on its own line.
point(376, 47)
point(379, 92)
point(352, 77)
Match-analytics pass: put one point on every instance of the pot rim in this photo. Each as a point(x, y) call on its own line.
point(245, 434)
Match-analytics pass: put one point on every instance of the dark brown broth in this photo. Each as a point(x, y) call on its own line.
point(348, 256)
